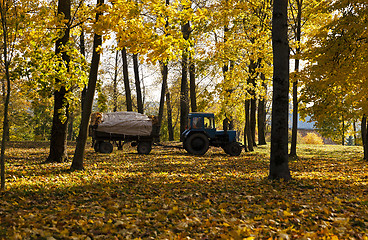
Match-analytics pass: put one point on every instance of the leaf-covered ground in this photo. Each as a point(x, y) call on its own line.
point(171, 195)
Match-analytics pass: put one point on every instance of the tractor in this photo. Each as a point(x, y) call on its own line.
point(201, 133)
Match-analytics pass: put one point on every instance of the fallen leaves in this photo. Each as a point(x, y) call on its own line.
point(171, 195)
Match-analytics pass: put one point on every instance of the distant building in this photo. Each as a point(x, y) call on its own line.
point(301, 124)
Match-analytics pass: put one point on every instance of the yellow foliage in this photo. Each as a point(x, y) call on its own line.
point(312, 138)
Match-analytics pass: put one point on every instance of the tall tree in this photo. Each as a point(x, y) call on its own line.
point(60, 116)
point(184, 100)
point(192, 84)
point(77, 163)
point(115, 83)
point(164, 73)
point(7, 11)
point(128, 94)
point(248, 139)
point(335, 76)
point(137, 83)
point(364, 132)
point(298, 27)
point(261, 116)
point(279, 164)
point(169, 115)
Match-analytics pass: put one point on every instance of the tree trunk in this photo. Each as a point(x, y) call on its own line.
point(169, 115)
point(279, 165)
point(6, 103)
point(5, 121)
point(225, 67)
point(164, 73)
point(115, 84)
point(82, 47)
point(248, 130)
point(355, 137)
point(137, 83)
point(192, 84)
point(364, 134)
point(59, 127)
point(6, 93)
point(294, 133)
point(184, 101)
point(70, 127)
point(343, 131)
point(253, 123)
point(77, 163)
point(261, 117)
point(252, 103)
point(128, 94)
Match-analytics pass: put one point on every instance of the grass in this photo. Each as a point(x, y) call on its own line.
point(169, 194)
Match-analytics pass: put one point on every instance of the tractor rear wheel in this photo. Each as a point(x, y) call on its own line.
point(197, 144)
point(233, 149)
point(144, 147)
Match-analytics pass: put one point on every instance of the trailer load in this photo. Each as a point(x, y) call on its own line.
point(122, 127)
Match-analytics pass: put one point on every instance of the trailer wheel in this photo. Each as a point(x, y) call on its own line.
point(105, 147)
point(233, 149)
point(144, 147)
point(197, 144)
point(96, 146)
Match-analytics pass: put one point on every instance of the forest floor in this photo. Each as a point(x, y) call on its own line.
point(169, 194)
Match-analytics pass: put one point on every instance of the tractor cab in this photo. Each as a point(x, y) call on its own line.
point(202, 122)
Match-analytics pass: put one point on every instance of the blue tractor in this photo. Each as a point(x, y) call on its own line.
point(201, 133)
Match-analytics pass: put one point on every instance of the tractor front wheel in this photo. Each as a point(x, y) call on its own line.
point(197, 144)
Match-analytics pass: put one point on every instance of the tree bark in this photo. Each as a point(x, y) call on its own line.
point(192, 84)
point(279, 165)
point(115, 84)
point(169, 115)
point(58, 142)
point(82, 47)
point(6, 120)
point(261, 118)
point(355, 137)
point(137, 83)
point(248, 131)
point(225, 67)
point(252, 103)
point(128, 94)
point(364, 134)
point(5, 134)
point(70, 127)
point(253, 123)
point(6, 92)
point(164, 73)
point(184, 101)
point(294, 133)
point(343, 131)
point(77, 163)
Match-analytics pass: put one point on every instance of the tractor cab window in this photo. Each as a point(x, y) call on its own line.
point(209, 122)
point(197, 122)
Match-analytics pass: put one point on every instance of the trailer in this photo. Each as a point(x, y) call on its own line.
point(119, 128)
